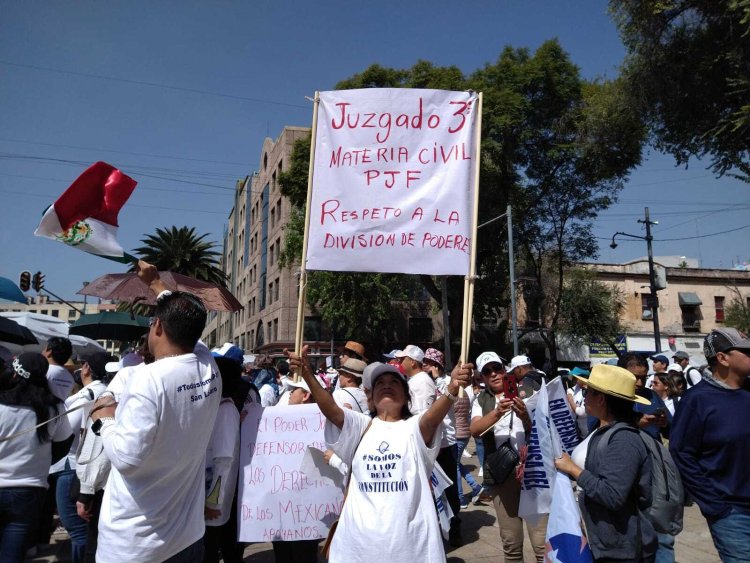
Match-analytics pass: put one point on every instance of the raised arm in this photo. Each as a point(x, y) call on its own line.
point(329, 408)
point(433, 417)
point(150, 276)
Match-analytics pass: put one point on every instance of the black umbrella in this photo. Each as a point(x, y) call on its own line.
point(110, 325)
point(11, 331)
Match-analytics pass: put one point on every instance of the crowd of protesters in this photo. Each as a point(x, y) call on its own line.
point(140, 455)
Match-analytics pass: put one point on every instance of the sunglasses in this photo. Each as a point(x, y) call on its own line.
point(489, 370)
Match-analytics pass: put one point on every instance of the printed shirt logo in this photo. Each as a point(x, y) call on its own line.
point(77, 234)
point(383, 447)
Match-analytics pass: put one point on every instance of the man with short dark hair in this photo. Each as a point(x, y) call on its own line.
point(654, 418)
point(529, 380)
point(692, 375)
point(710, 443)
point(156, 439)
point(58, 351)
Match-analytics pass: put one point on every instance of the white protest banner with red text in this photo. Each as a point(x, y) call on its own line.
point(392, 187)
point(277, 501)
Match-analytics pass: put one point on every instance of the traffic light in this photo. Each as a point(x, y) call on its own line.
point(25, 281)
point(38, 282)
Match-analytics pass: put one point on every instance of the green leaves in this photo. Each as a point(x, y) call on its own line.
point(183, 251)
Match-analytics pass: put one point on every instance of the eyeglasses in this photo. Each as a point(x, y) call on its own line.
point(489, 370)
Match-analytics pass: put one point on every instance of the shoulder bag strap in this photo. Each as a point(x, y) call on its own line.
point(356, 402)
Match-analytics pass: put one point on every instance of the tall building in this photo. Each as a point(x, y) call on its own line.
point(253, 239)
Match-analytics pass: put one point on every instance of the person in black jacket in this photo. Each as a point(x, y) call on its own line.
point(616, 477)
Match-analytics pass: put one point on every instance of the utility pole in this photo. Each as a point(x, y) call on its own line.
point(653, 299)
point(512, 268)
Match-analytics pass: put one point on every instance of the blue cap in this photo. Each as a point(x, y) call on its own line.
point(660, 358)
point(579, 371)
point(231, 352)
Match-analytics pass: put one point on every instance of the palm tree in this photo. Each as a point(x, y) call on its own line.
point(183, 251)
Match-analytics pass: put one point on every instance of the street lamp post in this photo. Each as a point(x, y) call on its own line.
point(653, 300)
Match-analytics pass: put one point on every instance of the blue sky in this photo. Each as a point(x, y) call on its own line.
point(180, 95)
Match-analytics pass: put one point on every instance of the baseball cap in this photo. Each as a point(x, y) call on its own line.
point(436, 356)
point(413, 352)
point(487, 358)
point(98, 363)
point(579, 371)
point(367, 374)
point(302, 384)
point(723, 339)
point(518, 361)
point(681, 355)
point(31, 364)
point(381, 369)
point(674, 367)
point(230, 351)
point(128, 360)
point(392, 354)
point(660, 358)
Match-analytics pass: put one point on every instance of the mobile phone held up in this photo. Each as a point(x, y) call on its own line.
point(510, 387)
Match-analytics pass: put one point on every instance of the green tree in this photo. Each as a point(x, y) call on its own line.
point(688, 71)
point(183, 251)
point(590, 309)
point(737, 313)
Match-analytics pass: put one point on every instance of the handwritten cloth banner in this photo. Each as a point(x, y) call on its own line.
point(277, 501)
point(393, 179)
point(553, 431)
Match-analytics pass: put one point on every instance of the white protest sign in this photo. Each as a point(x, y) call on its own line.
point(277, 501)
point(392, 187)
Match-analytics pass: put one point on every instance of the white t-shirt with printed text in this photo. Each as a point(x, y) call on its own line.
point(389, 514)
point(154, 500)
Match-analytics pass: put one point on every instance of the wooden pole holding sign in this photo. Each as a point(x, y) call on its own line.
point(469, 280)
point(300, 330)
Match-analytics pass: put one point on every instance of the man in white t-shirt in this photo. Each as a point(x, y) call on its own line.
point(692, 375)
point(422, 389)
point(350, 394)
point(58, 351)
point(156, 439)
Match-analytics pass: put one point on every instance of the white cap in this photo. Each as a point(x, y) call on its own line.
point(302, 384)
point(128, 360)
point(487, 358)
point(518, 361)
point(413, 352)
point(674, 367)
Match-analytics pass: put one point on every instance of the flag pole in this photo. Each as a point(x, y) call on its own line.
point(300, 329)
point(469, 281)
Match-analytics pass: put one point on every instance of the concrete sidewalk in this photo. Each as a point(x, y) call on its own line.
point(481, 540)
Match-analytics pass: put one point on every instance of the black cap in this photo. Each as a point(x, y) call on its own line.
point(97, 361)
point(31, 364)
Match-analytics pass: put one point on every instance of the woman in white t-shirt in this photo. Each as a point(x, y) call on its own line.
point(389, 512)
point(26, 456)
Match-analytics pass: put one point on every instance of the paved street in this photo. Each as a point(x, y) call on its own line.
point(481, 536)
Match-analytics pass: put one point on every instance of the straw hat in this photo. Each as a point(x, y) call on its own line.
point(615, 381)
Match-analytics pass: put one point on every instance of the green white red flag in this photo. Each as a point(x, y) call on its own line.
point(85, 215)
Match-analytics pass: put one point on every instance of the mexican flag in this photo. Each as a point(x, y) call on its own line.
point(85, 216)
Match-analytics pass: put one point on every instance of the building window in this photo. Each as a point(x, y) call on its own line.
point(276, 289)
point(646, 313)
point(55, 313)
point(276, 330)
point(270, 292)
point(44, 311)
point(719, 306)
point(420, 329)
point(71, 314)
